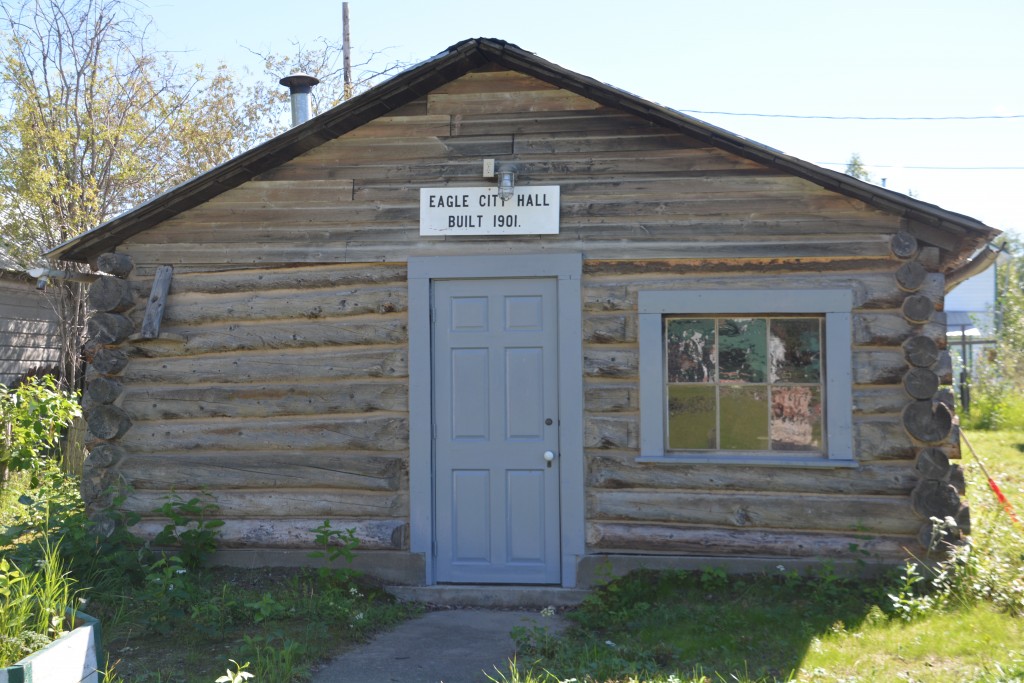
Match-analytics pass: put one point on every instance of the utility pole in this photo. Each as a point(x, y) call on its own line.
point(346, 52)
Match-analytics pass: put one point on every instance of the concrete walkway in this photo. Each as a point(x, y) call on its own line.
point(449, 646)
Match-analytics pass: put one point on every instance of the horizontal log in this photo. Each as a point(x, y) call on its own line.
point(611, 432)
point(611, 398)
point(615, 328)
point(373, 534)
point(404, 127)
point(333, 276)
point(191, 309)
point(882, 439)
point(380, 432)
point(891, 329)
point(519, 101)
point(119, 265)
point(293, 334)
point(278, 502)
point(108, 293)
point(265, 469)
point(611, 470)
point(600, 361)
point(878, 400)
point(575, 239)
point(285, 193)
point(492, 81)
point(878, 367)
point(869, 514)
point(658, 538)
point(265, 400)
point(296, 365)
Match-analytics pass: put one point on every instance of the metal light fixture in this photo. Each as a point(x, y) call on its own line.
point(506, 185)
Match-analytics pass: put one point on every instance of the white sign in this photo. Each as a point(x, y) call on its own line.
point(531, 210)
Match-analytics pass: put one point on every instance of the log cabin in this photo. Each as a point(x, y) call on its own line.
point(512, 325)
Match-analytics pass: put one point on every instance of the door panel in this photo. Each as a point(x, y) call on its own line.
point(495, 401)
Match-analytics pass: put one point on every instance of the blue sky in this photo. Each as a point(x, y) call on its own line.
point(867, 58)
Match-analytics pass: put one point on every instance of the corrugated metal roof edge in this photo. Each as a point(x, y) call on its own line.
point(967, 233)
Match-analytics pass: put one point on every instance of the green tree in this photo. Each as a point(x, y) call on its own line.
point(855, 167)
point(94, 122)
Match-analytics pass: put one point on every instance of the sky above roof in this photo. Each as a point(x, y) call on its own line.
point(911, 59)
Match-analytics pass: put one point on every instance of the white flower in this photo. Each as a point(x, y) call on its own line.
point(781, 567)
point(360, 616)
point(180, 571)
point(548, 611)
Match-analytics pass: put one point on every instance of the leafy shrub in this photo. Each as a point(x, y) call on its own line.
point(32, 418)
point(190, 529)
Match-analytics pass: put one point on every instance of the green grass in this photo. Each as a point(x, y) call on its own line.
point(964, 624)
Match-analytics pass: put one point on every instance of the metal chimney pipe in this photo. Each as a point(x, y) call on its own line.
point(300, 85)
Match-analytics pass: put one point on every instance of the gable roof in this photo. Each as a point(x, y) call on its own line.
point(957, 234)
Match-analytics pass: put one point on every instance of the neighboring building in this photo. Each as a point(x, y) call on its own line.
point(670, 345)
point(29, 342)
point(970, 327)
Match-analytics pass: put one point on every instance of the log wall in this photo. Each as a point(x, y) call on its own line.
point(278, 383)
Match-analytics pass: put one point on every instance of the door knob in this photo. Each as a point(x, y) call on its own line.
point(549, 457)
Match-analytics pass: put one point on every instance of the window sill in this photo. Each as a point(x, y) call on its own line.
point(750, 460)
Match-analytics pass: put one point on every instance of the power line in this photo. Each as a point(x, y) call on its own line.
point(856, 118)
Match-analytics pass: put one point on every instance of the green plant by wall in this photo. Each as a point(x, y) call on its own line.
point(32, 418)
point(33, 605)
point(191, 530)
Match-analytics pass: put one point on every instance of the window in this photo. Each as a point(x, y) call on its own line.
point(746, 376)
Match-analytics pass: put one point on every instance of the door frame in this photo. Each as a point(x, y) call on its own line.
point(568, 270)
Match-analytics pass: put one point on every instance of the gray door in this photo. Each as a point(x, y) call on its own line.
point(495, 402)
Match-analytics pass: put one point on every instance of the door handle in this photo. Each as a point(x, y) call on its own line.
point(549, 457)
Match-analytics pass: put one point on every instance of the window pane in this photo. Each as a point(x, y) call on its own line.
point(795, 350)
point(690, 349)
point(691, 417)
point(743, 355)
point(796, 418)
point(744, 418)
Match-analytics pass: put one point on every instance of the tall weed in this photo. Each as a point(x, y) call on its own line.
point(33, 605)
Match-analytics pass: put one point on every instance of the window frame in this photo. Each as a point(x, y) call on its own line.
point(835, 305)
